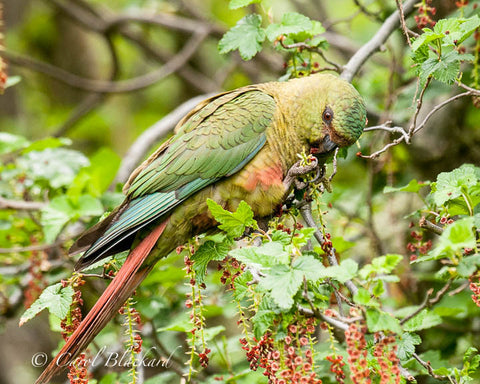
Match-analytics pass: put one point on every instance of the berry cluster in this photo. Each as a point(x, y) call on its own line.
point(475, 288)
point(336, 367)
point(327, 244)
point(77, 371)
point(357, 353)
point(74, 317)
point(231, 270)
point(203, 357)
point(418, 246)
point(425, 13)
point(386, 354)
point(194, 303)
point(132, 318)
point(37, 282)
point(287, 362)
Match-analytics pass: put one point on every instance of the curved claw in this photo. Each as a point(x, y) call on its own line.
point(298, 170)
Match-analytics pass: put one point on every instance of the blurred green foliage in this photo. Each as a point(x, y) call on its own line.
point(408, 244)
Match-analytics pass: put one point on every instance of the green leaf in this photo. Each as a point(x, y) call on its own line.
point(210, 333)
point(56, 166)
point(291, 23)
point(63, 209)
point(10, 143)
point(378, 288)
point(12, 80)
point(382, 321)
point(283, 283)
point(310, 267)
point(55, 298)
point(241, 285)
point(247, 36)
point(49, 142)
point(233, 223)
point(302, 237)
point(208, 251)
point(97, 177)
point(343, 272)
point(424, 320)
point(454, 239)
point(363, 297)
point(380, 265)
point(265, 256)
point(451, 185)
point(412, 186)
point(285, 238)
point(406, 345)
point(263, 319)
point(468, 265)
point(235, 4)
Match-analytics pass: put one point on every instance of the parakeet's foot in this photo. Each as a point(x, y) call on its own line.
point(298, 170)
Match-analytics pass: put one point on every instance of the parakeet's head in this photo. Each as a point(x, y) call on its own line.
point(344, 115)
point(331, 111)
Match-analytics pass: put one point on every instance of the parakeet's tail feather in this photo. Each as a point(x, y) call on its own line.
point(120, 289)
point(91, 235)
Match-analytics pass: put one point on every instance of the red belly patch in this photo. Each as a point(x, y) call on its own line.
point(265, 178)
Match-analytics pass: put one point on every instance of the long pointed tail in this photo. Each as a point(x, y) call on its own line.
point(120, 289)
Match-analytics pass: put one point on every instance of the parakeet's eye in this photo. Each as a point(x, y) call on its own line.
point(327, 115)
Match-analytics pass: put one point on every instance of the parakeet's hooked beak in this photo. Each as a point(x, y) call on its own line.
point(328, 144)
point(323, 147)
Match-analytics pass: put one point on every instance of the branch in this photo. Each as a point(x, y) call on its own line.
point(364, 53)
point(330, 320)
point(164, 20)
point(427, 224)
point(439, 106)
point(428, 302)
point(306, 211)
point(39, 247)
point(428, 366)
point(21, 205)
point(152, 136)
point(92, 100)
point(413, 128)
point(122, 86)
point(402, 22)
point(91, 18)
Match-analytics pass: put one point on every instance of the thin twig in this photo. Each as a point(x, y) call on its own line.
point(40, 247)
point(21, 205)
point(428, 302)
point(419, 106)
point(306, 211)
point(427, 224)
point(121, 86)
point(439, 106)
point(330, 320)
point(366, 51)
point(428, 366)
point(419, 127)
point(402, 22)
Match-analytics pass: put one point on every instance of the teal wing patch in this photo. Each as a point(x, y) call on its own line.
point(214, 142)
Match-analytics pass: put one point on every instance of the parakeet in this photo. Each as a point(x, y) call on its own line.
point(235, 146)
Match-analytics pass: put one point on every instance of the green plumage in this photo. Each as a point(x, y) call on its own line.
point(235, 146)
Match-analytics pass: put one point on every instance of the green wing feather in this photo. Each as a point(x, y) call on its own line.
point(215, 141)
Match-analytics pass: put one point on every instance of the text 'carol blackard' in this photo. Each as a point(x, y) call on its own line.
point(114, 359)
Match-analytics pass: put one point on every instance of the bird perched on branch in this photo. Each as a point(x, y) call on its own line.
point(238, 145)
